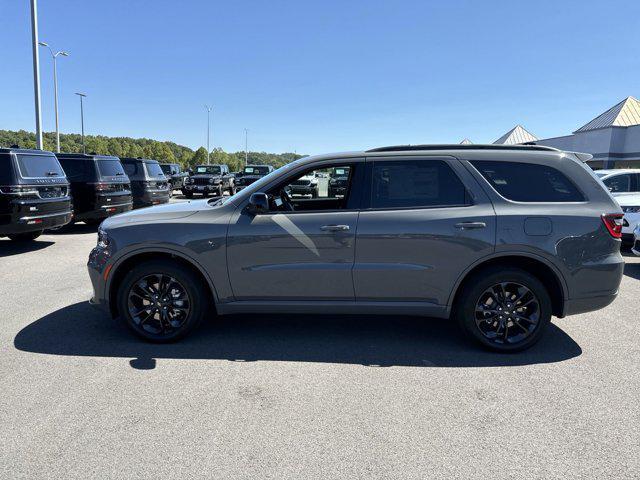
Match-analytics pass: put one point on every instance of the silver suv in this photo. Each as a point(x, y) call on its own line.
point(498, 237)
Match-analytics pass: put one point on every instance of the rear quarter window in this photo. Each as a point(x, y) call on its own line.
point(528, 182)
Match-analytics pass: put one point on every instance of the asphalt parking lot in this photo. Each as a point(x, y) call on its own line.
point(302, 397)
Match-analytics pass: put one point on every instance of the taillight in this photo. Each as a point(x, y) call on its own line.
point(613, 222)
point(102, 187)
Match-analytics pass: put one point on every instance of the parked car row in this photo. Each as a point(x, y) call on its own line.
point(41, 191)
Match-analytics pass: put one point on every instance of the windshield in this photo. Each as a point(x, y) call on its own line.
point(110, 167)
point(153, 169)
point(208, 169)
point(39, 166)
point(255, 170)
point(166, 169)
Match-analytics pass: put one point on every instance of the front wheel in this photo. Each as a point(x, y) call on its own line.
point(25, 237)
point(505, 310)
point(162, 301)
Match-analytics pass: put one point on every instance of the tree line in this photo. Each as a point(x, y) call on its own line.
point(168, 152)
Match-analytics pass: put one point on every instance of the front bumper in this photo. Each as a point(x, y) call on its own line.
point(213, 188)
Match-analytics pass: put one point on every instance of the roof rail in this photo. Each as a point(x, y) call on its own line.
point(403, 148)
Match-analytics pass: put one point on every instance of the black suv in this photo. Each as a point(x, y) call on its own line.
point(149, 186)
point(250, 174)
point(99, 186)
point(175, 174)
point(209, 179)
point(34, 193)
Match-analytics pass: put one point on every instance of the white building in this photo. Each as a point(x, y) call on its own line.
point(613, 138)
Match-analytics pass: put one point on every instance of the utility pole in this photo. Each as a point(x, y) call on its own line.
point(82, 95)
point(54, 56)
point(36, 71)
point(246, 151)
point(208, 128)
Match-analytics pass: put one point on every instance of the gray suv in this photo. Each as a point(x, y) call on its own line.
point(500, 238)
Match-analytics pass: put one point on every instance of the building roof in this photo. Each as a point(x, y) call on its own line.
point(516, 135)
point(466, 141)
point(623, 114)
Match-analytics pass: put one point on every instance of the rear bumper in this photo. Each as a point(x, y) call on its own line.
point(34, 223)
point(583, 305)
point(151, 197)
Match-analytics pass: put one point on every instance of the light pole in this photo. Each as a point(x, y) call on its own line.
point(54, 56)
point(82, 95)
point(208, 128)
point(246, 152)
point(36, 71)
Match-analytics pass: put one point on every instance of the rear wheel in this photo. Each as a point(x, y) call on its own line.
point(505, 310)
point(25, 237)
point(161, 301)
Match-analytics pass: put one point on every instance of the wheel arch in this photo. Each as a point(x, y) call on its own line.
point(123, 265)
point(536, 265)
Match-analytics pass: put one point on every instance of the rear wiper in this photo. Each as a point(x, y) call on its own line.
point(119, 173)
point(52, 174)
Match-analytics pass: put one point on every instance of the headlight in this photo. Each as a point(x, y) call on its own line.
point(103, 239)
point(631, 209)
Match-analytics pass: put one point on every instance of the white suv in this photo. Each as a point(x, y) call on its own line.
point(624, 185)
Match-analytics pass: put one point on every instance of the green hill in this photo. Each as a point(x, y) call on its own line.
point(143, 147)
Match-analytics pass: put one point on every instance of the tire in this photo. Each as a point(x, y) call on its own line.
point(25, 237)
point(232, 190)
point(184, 285)
point(482, 309)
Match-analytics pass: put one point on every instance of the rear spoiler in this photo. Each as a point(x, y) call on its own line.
point(584, 157)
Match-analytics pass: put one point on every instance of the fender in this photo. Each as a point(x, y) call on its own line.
point(513, 253)
point(159, 249)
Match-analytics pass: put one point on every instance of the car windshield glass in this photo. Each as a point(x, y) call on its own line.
point(153, 169)
point(212, 170)
point(39, 166)
point(166, 169)
point(256, 170)
point(110, 168)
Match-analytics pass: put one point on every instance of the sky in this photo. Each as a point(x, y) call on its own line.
point(321, 76)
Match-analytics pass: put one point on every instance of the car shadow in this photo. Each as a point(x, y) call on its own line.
point(632, 270)
point(382, 341)
point(75, 229)
point(9, 247)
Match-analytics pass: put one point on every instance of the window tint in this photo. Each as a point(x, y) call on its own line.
point(526, 182)
point(77, 169)
point(110, 168)
point(130, 168)
point(39, 166)
point(153, 169)
point(618, 183)
point(416, 183)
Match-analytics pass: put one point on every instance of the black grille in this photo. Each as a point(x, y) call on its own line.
point(201, 181)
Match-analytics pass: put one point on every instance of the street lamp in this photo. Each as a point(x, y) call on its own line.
point(55, 87)
point(246, 154)
point(208, 128)
point(82, 95)
point(36, 71)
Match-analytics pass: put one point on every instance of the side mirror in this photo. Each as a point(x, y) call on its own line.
point(258, 203)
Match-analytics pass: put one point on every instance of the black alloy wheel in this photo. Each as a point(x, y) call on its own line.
point(162, 300)
point(505, 309)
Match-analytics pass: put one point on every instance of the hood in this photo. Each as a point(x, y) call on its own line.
point(628, 200)
point(168, 211)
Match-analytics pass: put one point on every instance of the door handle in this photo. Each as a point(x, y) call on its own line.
point(334, 228)
point(470, 225)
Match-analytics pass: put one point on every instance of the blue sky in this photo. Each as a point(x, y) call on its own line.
point(325, 75)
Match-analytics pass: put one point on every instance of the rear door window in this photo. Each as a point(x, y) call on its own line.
point(38, 166)
point(110, 168)
point(416, 184)
point(527, 182)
